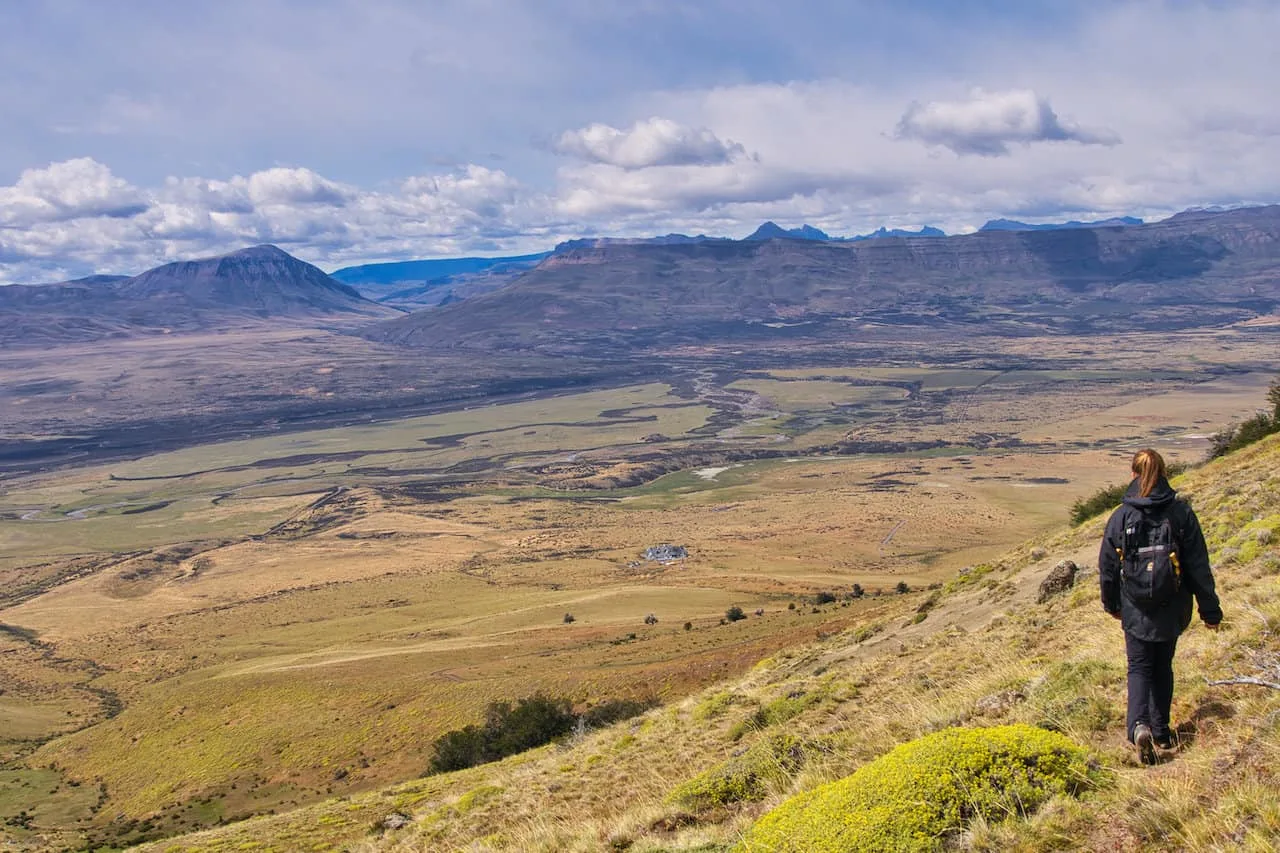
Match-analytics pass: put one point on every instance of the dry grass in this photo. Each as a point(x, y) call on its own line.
point(1061, 663)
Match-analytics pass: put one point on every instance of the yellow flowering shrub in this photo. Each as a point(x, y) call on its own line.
point(914, 796)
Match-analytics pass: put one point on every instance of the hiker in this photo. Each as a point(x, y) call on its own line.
point(1152, 563)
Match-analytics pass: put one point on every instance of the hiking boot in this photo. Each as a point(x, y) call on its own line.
point(1145, 743)
point(1166, 742)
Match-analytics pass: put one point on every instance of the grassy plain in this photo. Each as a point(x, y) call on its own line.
point(253, 625)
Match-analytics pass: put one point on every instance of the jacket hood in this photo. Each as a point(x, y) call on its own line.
point(1161, 495)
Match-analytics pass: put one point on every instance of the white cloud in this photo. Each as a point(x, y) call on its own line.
point(653, 142)
point(72, 189)
point(295, 186)
point(213, 195)
point(478, 188)
point(988, 122)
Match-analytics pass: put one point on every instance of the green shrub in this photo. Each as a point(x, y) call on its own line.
point(778, 711)
point(715, 705)
point(920, 793)
point(768, 764)
point(866, 632)
point(1103, 500)
point(734, 613)
point(1256, 428)
point(607, 713)
point(507, 730)
point(459, 749)
point(533, 721)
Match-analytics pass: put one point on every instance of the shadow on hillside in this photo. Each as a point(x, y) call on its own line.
point(1206, 713)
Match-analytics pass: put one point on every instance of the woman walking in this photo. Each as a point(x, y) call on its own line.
point(1153, 562)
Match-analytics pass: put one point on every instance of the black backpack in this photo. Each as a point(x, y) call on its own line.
point(1150, 570)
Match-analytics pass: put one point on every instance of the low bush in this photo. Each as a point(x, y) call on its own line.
point(507, 729)
point(734, 613)
point(1103, 500)
point(778, 711)
point(1256, 428)
point(767, 765)
point(530, 722)
point(927, 790)
point(607, 713)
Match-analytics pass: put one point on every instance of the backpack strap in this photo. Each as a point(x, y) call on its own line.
point(1176, 509)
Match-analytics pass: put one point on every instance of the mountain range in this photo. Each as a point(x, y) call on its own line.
point(1015, 225)
point(1197, 268)
point(422, 283)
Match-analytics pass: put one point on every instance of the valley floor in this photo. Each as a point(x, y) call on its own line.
point(283, 623)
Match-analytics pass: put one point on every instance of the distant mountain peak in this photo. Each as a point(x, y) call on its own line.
point(925, 231)
point(262, 250)
point(264, 280)
point(773, 231)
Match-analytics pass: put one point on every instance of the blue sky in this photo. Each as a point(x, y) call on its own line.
point(140, 131)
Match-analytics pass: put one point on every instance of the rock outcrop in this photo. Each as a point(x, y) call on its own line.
point(1061, 578)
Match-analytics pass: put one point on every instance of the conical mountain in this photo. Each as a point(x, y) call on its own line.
point(264, 280)
point(262, 283)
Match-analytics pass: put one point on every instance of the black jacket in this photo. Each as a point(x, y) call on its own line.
point(1159, 623)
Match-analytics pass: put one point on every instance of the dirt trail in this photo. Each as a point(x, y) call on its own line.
point(335, 657)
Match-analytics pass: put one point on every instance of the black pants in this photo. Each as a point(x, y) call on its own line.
point(1150, 684)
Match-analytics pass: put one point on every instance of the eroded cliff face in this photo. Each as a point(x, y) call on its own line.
point(1196, 268)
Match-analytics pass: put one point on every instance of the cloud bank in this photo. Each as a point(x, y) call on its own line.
point(74, 217)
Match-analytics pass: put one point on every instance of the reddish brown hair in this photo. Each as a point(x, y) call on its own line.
point(1149, 468)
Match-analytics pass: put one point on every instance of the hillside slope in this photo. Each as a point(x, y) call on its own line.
point(977, 651)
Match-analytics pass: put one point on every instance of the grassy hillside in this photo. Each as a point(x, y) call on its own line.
point(980, 651)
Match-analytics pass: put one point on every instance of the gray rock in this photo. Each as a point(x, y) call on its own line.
point(665, 553)
point(1060, 579)
point(998, 704)
point(395, 820)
